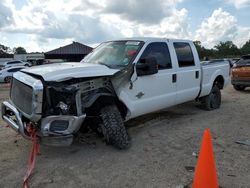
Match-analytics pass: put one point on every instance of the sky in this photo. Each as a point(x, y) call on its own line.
point(43, 25)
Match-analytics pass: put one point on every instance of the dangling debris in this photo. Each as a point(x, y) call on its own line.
point(32, 157)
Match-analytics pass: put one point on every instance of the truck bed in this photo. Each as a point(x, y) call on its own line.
point(209, 73)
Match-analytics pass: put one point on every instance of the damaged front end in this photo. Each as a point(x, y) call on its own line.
point(56, 109)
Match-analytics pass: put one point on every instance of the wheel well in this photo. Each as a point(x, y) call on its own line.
point(101, 101)
point(219, 81)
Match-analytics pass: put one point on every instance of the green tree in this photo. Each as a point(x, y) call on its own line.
point(200, 49)
point(4, 49)
point(203, 52)
point(226, 49)
point(245, 49)
point(19, 50)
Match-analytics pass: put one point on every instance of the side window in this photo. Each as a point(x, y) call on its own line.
point(13, 62)
point(14, 70)
point(184, 54)
point(158, 50)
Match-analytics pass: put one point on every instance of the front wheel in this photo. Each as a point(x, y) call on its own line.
point(239, 88)
point(113, 127)
point(213, 100)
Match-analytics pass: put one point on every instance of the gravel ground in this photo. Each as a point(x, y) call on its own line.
point(162, 145)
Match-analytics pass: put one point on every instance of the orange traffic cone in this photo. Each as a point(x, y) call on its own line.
point(205, 175)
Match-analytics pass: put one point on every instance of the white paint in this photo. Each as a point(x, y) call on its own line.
point(159, 90)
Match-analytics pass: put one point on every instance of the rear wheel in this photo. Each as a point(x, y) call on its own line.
point(113, 127)
point(239, 88)
point(213, 100)
point(7, 79)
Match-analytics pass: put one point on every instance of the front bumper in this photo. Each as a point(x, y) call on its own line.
point(240, 82)
point(11, 116)
point(50, 131)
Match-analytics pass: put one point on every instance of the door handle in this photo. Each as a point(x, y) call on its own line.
point(174, 78)
point(197, 74)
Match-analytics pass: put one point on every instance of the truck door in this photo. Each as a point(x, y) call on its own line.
point(157, 91)
point(188, 72)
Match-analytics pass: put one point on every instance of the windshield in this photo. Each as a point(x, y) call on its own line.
point(114, 54)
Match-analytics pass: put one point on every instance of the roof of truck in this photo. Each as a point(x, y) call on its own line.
point(153, 39)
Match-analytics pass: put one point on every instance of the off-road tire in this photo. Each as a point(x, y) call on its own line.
point(113, 128)
point(7, 79)
point(239, 88)
point(213, 100)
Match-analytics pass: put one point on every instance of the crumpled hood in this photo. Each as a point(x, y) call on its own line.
point(66, 71)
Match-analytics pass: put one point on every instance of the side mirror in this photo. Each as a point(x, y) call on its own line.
point(147, 66)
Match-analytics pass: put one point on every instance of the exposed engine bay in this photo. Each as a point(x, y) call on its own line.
point(74, 96)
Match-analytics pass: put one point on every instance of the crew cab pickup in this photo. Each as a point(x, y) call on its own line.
point(117, 81)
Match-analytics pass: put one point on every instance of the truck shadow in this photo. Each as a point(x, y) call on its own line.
point(178, 111)
point(91, 145)
point(149, 117)
point(245, 91)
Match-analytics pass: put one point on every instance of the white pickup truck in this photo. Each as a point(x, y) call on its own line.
point(118, 81)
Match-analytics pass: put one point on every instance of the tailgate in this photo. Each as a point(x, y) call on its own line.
point(241, 72)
